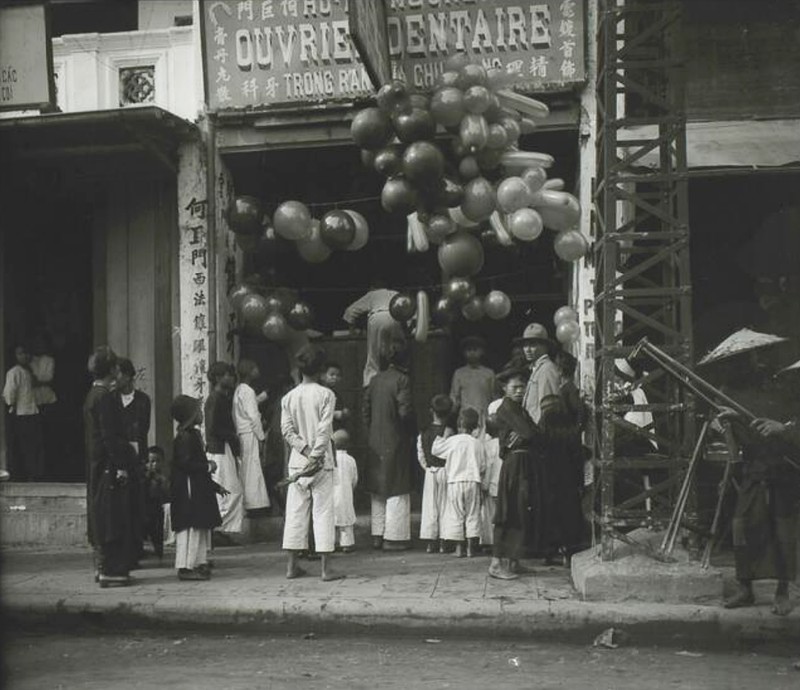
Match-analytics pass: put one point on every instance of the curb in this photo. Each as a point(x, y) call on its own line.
point(571, 621)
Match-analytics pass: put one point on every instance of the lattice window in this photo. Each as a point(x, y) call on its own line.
point(137, 85)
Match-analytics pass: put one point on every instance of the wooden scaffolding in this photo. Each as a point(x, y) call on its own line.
point(643, 284)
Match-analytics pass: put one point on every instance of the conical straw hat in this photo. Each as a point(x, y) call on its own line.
point(743, 340)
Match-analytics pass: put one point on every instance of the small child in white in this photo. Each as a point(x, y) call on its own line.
point(434, 490)
point(465, 467)
point(491, 445)
point(345, 478)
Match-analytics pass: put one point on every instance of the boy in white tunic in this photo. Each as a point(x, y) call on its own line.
point(307, 425)
point(491, 445)
point(345, 478)
point(465, 467)
point(247, 419)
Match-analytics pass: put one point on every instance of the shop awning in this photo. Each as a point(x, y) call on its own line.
point(744, 144)
point(142, 129)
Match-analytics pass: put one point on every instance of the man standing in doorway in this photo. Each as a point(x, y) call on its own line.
point(545, 379)
point(27, 452)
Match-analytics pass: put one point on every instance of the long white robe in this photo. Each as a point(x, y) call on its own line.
point(247, 419)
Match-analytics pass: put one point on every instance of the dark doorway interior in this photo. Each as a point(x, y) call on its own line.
point(48, 292)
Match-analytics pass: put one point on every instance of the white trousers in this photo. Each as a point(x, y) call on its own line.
point(488, 510)
point(346, 536)
point(462, 514)
point(309, 501)
point(231, 507)
point(255, 490)
point(191, 547)
point(391, 517)
point(434, 499)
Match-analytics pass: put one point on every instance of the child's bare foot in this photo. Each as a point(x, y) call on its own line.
point(295, 572)
point(430, 548)
point(499, 569)
point(330, 576)
point(460, 550)
point(442, 547)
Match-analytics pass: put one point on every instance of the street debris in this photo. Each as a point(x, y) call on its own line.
point(611, 638)
point(433, 640)
point(683, 652)
point(310, 636)
point(514, 662)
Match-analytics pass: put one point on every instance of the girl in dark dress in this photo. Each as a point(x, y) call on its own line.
point(193, 507)
point(519, 520)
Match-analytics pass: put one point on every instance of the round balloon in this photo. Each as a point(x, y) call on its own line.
point(362, 231)
point(459, 290)
point(287, 297)
point(416, 125)
point(393, 98)
point(567, 332)
point(451, 193)
point(423, 163)
point(565, 314)
point(402, 307)
point(513, 194)
point(534, 178)
point(525, 224)
point(443, 311)
point(292, 221)
point(474, 132)
point(398, 196)
point(489, 159)
point(447, 106)
point(274, 328)
point(456, 62)
point(473, 74)
point(447, 78)
point(461, 254)
point(253, 310)
point(570, 245)
point(300, 316)
point(388, 161)
point(479, 199)
point(497, 305)
point(314, 250)
point(439, 227)
point(371, 129)
point(468, 168)
point(497, 139)
point(245, 215)
point(237, 294)
point(274, 303)
point(477, 99)
point(337, 229)
point(472, 309)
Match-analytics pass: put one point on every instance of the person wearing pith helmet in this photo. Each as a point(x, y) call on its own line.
point(544, 378)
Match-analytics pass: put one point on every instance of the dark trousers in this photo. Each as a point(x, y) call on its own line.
point(26, 450)
point(115, 558)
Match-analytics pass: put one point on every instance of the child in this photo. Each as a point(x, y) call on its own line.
point(222, 446)
point(434, 490)
point(331, 378)
point(345, 478)
point(156, 494)
point(473, 384)
point(194, 504)
point(307, 426)
point(493, 463)
point(247, 420)
point(465, 467)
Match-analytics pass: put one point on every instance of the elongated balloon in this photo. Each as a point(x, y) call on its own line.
point(522, 104)
point(526, 159)
point(503, 236)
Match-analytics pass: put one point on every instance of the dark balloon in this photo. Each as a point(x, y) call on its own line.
point(461, 254)
point(237, 295)
point(337, 229)
point(287, 297)
point(274, 304)
point(245, 215)
point(275, 328)
point(388, 161)
point(371, 129)
point(423, 163)
point(398, 196)
point(451, 194)
point(416, 125)
point(473, 309)
point(393, 98)
point(300, 316)
point(443, 312)
point(253, 311)
point(459, 290)
point(402, 307)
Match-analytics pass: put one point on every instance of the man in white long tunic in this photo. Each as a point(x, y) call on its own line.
point(251, 433)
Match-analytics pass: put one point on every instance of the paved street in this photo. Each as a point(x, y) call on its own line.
point(220, 662)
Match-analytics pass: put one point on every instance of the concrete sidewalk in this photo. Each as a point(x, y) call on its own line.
point(397, 593)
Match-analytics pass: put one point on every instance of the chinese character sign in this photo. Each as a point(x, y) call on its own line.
point(268, 52)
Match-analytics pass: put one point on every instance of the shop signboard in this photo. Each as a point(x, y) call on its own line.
point(26, 61)
point(261, 53)
point(367, 22)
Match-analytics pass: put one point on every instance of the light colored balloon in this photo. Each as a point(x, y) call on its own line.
point(497, 305)
point(503, 235)
point(362, 231)
point(460, 219)
point(570, 245)
point(525, 224)
point(563, 314)
point(292, 221)
point(568, 332)
point(479, 199)
point(513, 194)
point(535, 178)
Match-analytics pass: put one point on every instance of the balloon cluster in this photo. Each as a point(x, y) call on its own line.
point(459, 297)
point(566, 322)
point(271, 313)
point(316, 239)
point(480, 183)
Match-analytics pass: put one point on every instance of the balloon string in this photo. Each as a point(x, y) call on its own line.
point(407, 288)
point(337, 203)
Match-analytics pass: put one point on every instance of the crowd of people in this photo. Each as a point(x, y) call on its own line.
point(502, 461)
